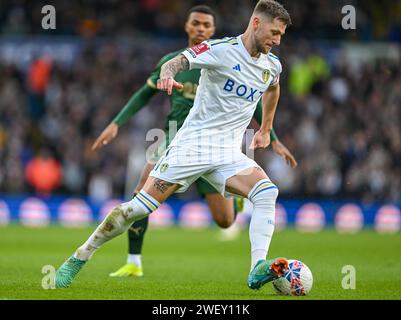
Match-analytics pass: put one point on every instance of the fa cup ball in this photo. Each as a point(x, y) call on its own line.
point(297, 281)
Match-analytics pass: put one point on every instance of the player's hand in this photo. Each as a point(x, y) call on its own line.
point(106, 136)
point(260, 140)
point(168, 84)
point(281, 150)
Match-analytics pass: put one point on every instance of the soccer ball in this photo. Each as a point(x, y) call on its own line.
point(297, 281)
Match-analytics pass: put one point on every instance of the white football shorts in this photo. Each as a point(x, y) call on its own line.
point(183, 166)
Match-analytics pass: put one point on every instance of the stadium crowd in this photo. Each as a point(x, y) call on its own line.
point(343, 126)
point(379, 20)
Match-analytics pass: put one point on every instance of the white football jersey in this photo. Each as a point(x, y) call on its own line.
point(231, 84)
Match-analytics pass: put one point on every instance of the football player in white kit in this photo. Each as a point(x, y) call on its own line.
point(236, 73)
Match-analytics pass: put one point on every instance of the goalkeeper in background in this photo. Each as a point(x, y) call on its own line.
point(200, 26)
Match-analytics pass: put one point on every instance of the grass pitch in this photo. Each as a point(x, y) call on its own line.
point(194, 265)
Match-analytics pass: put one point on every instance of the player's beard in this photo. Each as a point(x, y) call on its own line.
point(258, 44)
point(261, 47)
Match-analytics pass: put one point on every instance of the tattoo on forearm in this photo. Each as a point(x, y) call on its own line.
point(162, 185)
point(171, 68)
point(184, 62)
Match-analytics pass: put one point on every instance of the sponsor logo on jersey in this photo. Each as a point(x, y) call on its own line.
point(266, 75)
point(242, 90)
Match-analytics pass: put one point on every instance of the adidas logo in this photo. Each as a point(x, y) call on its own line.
point(237, 67)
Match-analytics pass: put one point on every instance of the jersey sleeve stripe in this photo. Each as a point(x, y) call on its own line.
point(273, 56)
point(233, 43)
point(224, 40)
point(216, 43)
point(210, 42)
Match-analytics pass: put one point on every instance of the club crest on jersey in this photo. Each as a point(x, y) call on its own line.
point(198, 49)
point(266, 75)
point(163, 167)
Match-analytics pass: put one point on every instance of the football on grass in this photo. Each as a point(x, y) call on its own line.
point(297, 281)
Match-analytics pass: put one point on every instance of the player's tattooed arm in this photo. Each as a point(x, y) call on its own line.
point(173, 66)
point(168, 72)
point(162, 185)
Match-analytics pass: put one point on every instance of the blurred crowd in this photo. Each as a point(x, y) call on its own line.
point(380, 20)
point(54, 112)
point(345, 131)
point(342, 125)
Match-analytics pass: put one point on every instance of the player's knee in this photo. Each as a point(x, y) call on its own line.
point(222, 215)
point(224, 221)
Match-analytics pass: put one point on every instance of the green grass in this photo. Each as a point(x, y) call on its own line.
point(194, 265)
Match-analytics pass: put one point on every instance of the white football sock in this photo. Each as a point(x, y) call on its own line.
point(263, 196)
point(135, 259)
point(117, 222)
